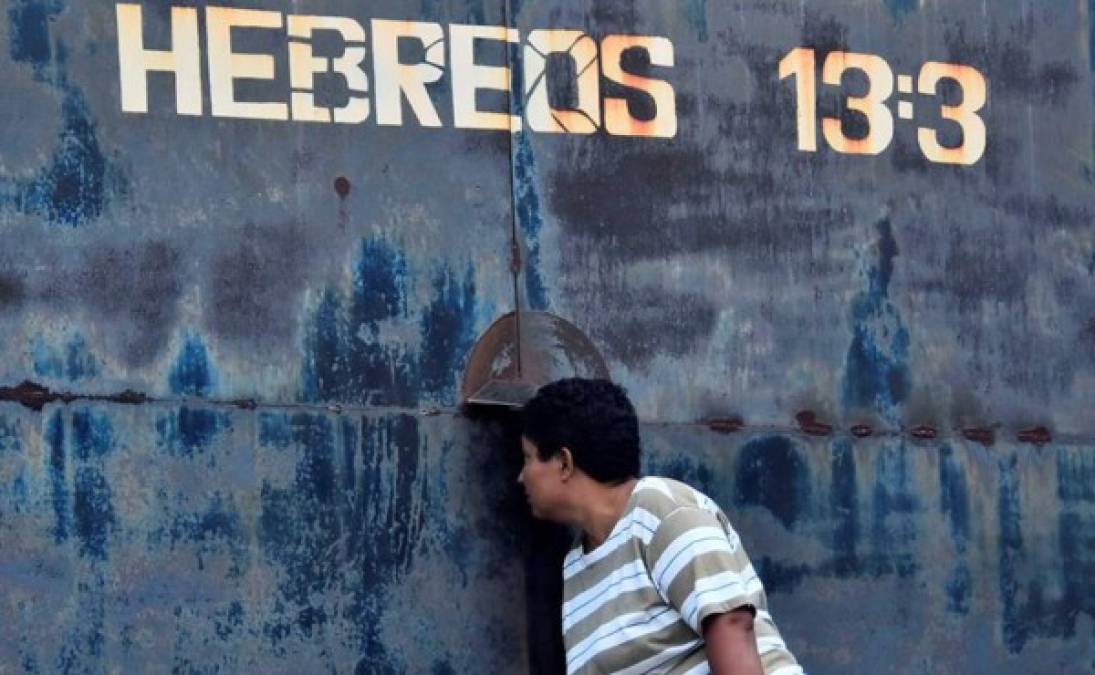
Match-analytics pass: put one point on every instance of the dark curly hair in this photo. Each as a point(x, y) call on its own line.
point(594, 419)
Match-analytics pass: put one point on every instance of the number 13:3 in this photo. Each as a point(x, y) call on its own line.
point(880, 122)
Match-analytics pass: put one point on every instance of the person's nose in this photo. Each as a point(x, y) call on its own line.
point(521, 477)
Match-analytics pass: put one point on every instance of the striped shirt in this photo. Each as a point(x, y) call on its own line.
point(637, 602)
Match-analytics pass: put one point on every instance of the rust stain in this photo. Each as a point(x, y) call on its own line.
point(809, 424)
point(29, 394)
point(861, 430)
point(36, 396)
point(342, 187)
point(1037, 435)
point(128, 396)
point(923, 432)
point(725, 425)
point(982, 435)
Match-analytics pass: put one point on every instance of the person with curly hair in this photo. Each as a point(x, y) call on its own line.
point(657, 579)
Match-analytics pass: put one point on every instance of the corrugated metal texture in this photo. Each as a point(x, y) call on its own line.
point(293, 300)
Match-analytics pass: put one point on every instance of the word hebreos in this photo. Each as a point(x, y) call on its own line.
point(448, 53)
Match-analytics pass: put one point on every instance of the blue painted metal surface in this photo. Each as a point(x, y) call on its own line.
point(297, 491)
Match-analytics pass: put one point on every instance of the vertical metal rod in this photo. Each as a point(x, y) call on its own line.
point(515, 249)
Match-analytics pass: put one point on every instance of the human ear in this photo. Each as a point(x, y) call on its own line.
point(566, 463)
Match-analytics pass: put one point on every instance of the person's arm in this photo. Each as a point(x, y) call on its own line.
point(732, 644)
point(698, 565)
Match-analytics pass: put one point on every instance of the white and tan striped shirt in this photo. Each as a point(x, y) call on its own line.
point(637, 602)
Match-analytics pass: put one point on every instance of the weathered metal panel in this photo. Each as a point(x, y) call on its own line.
point(198, 539)
point(724, 271)
point(290, 305)
point(203, 539)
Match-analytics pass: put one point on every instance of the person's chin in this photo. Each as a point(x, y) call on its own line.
point(537, 512)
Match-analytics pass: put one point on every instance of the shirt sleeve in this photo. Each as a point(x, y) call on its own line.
point(698, 565)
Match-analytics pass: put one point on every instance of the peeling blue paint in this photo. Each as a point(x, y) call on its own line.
point(346, 358)
point(348, 439)
point(875, 374)
point(686, 469)
point(771, 472)
point(779, 577)
point(74, 364)
point(455, 537)
point(1076, 525)
point(442, 668)
point(392, 497)
point(695, 12)
point(900, 8)
point(18, 498)
point(28, 30)
point(1046, 604)
point(228, 622)
point(1077, 545)
point(323, 367)
point(376, 373)
point(83, 645)
point(47, 361)
point(954, 504)
point(92, 510)
point(894, 505)
point(844, 502)
point(527, 209)
point(217, 529)
point(380, 285)
point(92, 435)
point(191, 375)
point(190, 430)
point(959, 590)
point(274, 430)
point(299, 526)
point(349, 358)
point(1076, 476)
point(55, 440)
point(11, 439)
point(80, 364)
point(72, 190)
point(448, 334)
point(954, 497)
point(74, 187)
point(29, 662)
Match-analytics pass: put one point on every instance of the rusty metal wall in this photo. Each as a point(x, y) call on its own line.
point(252, 334)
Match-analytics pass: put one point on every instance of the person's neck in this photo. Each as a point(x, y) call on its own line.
point(606, 505)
